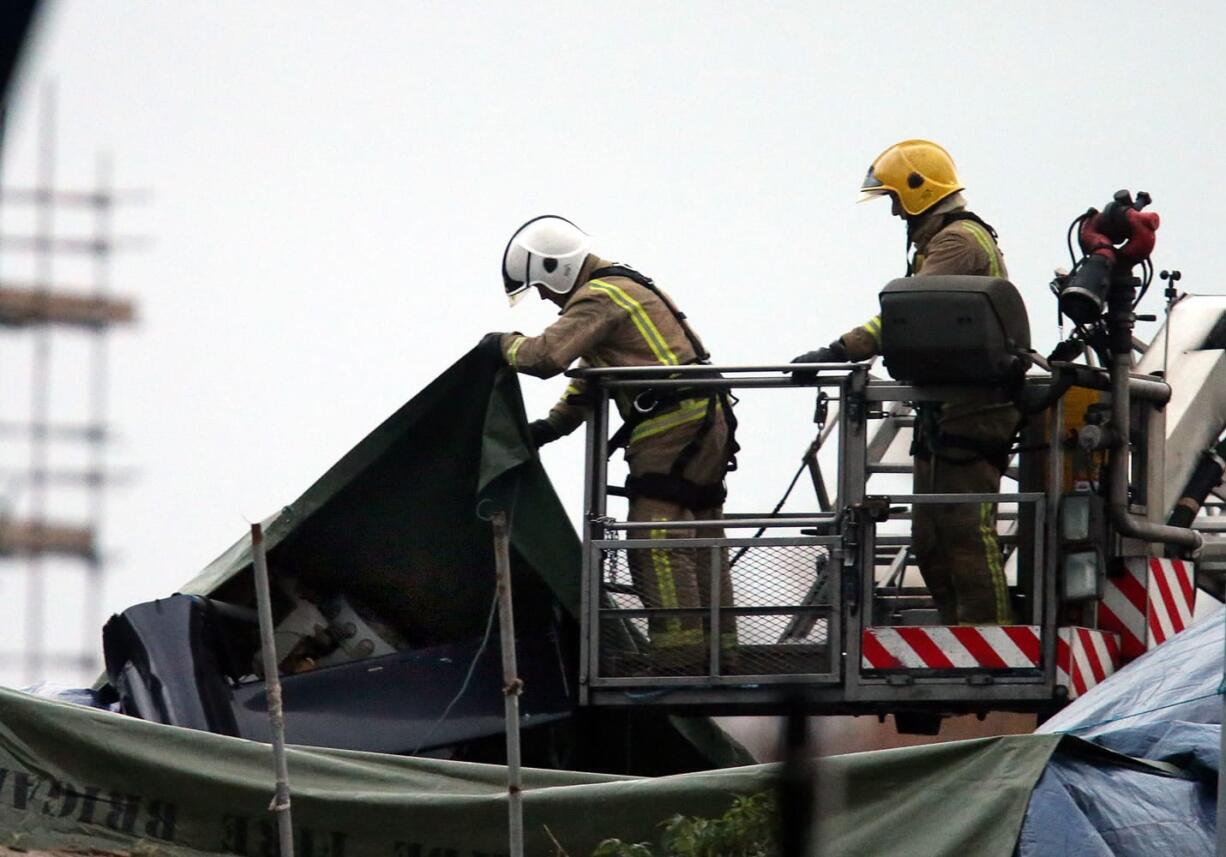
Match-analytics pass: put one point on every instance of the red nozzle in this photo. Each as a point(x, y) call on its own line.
point(1142, 228)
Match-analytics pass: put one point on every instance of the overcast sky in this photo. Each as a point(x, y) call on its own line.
point(334, 184)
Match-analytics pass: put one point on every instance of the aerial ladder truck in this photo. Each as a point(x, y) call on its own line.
point(1106, 537)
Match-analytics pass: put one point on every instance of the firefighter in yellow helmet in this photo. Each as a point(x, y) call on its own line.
point(678, 443)
point(961, 446)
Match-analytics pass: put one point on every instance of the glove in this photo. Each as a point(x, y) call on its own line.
point(821, 355)
point(833, 353)
point(1065, 351)
point(542, 432)
point(491, 344)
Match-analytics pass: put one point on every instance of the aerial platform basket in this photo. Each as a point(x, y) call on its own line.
point(827, 608)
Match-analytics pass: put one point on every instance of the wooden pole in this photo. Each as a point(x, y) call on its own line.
point(512, 686)
point(272, 687)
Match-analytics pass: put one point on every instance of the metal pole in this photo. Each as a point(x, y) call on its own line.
point(1120, 321)
point(715, 598)
point(512, 686)
point(1221, 766)
point(797, 789)
point(1166, 338)
point(99, 388)
point(40, 381)
point(272, 688)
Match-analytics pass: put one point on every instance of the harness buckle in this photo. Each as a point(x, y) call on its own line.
point(645, 402)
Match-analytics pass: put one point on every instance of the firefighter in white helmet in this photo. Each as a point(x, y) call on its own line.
point(678, 444)
point(961, 446)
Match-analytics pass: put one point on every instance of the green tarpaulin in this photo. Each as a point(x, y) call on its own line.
point(395, 520)
point(395, 523)
point(74, 776)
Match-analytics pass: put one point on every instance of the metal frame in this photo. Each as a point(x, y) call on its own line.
point(853, 546)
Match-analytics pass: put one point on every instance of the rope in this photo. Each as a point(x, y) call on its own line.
point(803, 464)
point(489, 622)
point(472, 667)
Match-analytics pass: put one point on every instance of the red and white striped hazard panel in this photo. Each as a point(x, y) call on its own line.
point(1084, 656)
point(940, 647)
point(1150, 602)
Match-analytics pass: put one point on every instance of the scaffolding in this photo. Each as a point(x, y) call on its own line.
point(35, 312)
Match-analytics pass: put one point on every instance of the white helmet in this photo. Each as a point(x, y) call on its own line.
point(546, 251)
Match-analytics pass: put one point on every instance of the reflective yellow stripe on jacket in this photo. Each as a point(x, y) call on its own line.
point(514, 349)
point(642, 321)
point(690, 410)
point(985, 241)
point(873, 326)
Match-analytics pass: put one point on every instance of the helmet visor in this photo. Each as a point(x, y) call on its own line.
point(511, 285)
point(869, 195)
point(515, 288)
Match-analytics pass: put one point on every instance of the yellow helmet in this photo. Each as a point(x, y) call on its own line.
point(919, 172)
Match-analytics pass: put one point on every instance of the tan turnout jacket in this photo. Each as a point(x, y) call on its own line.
point(610, 321)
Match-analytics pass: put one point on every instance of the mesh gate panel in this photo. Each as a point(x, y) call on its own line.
point(773, 617)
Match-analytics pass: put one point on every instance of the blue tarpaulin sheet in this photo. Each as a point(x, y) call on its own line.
point(1166, 707)
point(1178, 681)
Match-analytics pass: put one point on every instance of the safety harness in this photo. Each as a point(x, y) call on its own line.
point(673, 486)
point(931, 441)
point(946, 219)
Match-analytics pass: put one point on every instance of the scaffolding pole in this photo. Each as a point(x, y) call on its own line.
point(272, 692)
point(512, 686)
point(40, 393)
point(99, 387)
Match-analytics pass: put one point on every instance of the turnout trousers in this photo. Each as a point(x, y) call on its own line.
point(956, 544)
point(672, 578)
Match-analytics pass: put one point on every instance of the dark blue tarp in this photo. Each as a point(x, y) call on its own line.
point(1167, 707)
point(1179, 680)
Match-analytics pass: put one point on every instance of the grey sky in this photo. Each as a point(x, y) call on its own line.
point(335, 182)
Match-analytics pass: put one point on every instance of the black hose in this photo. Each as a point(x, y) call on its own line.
point(1069, 238)
point(1206, 477)
point(774, 511)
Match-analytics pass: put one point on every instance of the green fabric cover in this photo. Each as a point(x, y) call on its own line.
point(395, 522)
point(959, 798)
point(79, 777)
